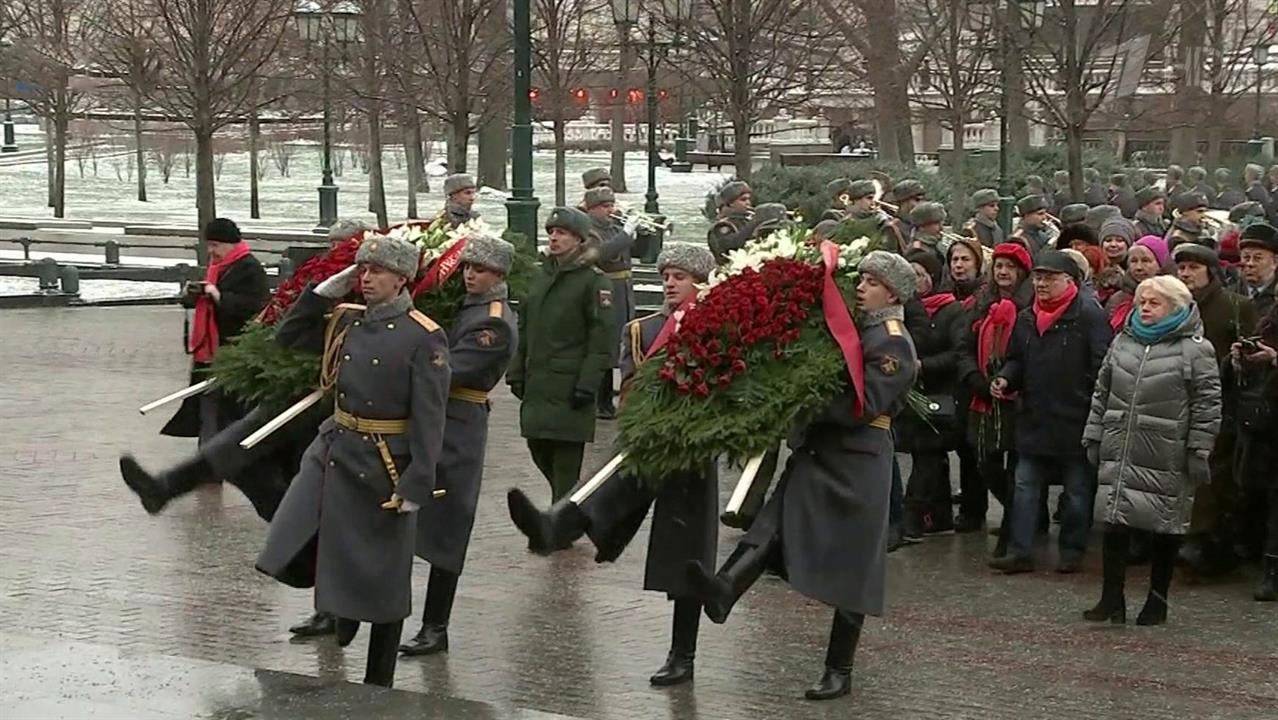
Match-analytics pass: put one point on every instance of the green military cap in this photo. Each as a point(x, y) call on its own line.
point(1192, 200)
point(1118, 179)
point(598, 196)
point(826, 228)
point(1074, 213)
point(984, 196)
point(858, 189)
point(908, 190)
point(1148, 178)
point(596, 176)
point(1147, 195)
point(837, 186)
point(926, 213)
point(1031, 203)
point(458, 182)
point(732, 190)
point(1098, 215)
point(570, 219)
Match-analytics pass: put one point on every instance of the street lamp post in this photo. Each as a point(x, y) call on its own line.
point(1030, 11)
point(338, 25)
point(9, 144)
point(1260, 54)
point(521, 207)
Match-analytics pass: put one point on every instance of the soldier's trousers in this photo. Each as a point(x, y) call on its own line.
point(559, 462)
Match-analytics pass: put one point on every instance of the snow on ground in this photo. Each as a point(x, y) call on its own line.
point(94, 290)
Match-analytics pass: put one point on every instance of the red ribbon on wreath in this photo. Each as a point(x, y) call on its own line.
point(441, 269)
point(839, 321)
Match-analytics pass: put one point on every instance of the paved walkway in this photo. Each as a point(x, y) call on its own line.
point(106, 612)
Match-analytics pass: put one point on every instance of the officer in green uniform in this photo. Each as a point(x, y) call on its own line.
point(616, 240)
point(864, 214)
point(1151, 217)
point(732, 228)
point(595, 178)
point(460, 190)
point(1032, 230)
point(984, 223)
point(906, 194)
point(1188, 225)
point(564, 341)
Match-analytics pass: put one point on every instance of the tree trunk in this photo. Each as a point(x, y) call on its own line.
point(1193, 29)
point(49, 160)
point(459, 138)
point(138, 147)
point(376, 185)
point(494, 140)
point(1216, 118)
point(561, 161)
point(255, 134)
point(205, 192)
point(741, 149)
point(905, 127)
point(411, 131)
point(958, 190)
point(617, 163)
point(61, 120)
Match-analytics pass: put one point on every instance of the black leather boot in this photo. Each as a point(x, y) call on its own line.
point(1113, 603)
point(1267, 590)
point(836, 680)
point(554, 529)
point(345, 630)
point(604, 407)
point(155, 491)
point(433, 637)
point(1163, 550)
point(382, 643)
point(683, 645)
point(720, 591)
point(319, 623)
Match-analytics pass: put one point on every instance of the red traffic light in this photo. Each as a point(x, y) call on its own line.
point(663, 94)
point(534, 94)
point(613, 93)
point(581, 94)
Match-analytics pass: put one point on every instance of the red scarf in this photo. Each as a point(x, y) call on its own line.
point(993, 335)
point(1047, 313)
point(1119, 318)
point(204, 337)
point(934, 302)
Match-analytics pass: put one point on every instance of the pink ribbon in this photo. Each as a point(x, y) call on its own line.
point(839, 321)
point(441, 269)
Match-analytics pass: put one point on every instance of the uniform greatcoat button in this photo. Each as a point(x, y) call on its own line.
point(356, 323)
point(332, 463)
point(390, 326)
point(346, 357)
point(376, 361)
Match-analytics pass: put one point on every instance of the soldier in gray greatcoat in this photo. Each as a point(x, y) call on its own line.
point(984, 223)
point(684, 512)
point(347, 524)
point(827, 522)
point(460, 189)
point(731, 229)
point(481, 341)
point(616, 239)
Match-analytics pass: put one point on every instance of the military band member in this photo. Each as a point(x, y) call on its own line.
point(683, 514)
point(928, 218)
point(984, 223)
point(1033, 230)
point(1073, 213)
point(862, 206)
point(731, 230)
point(1093, 191)
point(825, 528)
point(1151, 217)
point(1196, 178)
point(1174, 183)
point(616, 240)
point(906, 194)
point(1227, 193)
point(824, 230)
point(767, 218)
point(595, 178)
point(1061, 194)
point(461, 191)
point(837, 189)
point(347, 524)
point(1121, 195)
point(1191, 207)
point(481, 341)
point(564, 340)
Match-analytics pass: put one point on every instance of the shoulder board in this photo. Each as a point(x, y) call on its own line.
point(494, 309)
point(350, 306)
point(893, 327)
point(420, 318)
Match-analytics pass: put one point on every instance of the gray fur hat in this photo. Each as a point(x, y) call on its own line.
point(908, 190)
point(1196, 174)
point(394, 254)
point(826, 228)
point(926, 213)
point(837, 186)
point(984, 196)
point(1253, 172)
point(1223, 176)
point(1031, 203)
point(732, 190)
point(1193, 252)
point(1074, 213)
point(570, 219)
point(695, 259)
point(458, 182)
point(858, 189)
point(1091, 174)
point(768, 217)
point(1098, 215)
point(490, 252)
point(346, 229)
point(598, 196)
point(595, 176)
point(892, 270)
point(1175, 173)
point(1118, 179)
point(1034, 181)
point(1061, 177)
point(1192, 200)
point(1149, 194)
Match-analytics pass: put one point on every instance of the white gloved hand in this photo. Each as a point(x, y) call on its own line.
point(338, 285)
point(630, 225)
point(407, 506)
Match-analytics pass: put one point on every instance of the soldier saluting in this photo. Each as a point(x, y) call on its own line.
point(731, 230)
point(461, 191)
point(347, 524)
point(481, 341)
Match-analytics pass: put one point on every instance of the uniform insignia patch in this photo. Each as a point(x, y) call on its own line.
point(890, 365)
point(605, 298)
point(438, 359)
point(486, 338)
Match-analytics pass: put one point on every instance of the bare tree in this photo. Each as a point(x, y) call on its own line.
point(756, 56)
point(562, 56)
point(281, 154)
point(164, 153)
point(617, 114)
point(124, 47)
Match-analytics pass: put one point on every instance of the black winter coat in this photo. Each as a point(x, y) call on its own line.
point(936, 341)
point(1054, 375)
point(987, 432)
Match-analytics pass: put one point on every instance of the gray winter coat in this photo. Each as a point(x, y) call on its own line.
point(1155, 413)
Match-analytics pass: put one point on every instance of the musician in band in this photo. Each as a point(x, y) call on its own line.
point(1033, 231)
point(461, 191)
point(731, 229)
point(683, 509)
point(1190, 220)
point(616, 241)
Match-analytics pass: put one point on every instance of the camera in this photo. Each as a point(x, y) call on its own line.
point(1250, 345)
point(195, 287)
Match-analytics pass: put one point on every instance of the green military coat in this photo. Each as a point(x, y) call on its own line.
point(565, 336)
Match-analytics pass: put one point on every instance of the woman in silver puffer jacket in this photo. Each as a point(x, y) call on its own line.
point(1154, 418)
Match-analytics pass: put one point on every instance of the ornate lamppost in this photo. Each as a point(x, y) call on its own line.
point(328, 25)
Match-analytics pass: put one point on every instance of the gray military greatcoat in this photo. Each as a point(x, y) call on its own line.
point(331, 530)
point(481, 340)
point(614, 260)
point(830, 510)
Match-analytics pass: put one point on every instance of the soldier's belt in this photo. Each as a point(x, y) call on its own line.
point(366, 425)
point(882, 422)
point(618, 275)
point(468, 395)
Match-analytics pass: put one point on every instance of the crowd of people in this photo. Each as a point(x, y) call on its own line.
point(1111, 346)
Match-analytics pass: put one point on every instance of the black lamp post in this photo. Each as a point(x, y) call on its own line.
point(521, 207)
point(9, 142)
point(337, 24)
point(1260, 54)
point(1030, 14)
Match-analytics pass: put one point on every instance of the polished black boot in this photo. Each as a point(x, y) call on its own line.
point(554, 529)
point(382, 643)
point(605, 409)
point(1163, 550)
point(319, 623)
point(155, 491)
point(683, 645)
point(345, 630)
point(1113, 603)
point(1267, 590)
point(719, 592)
point(433, 637)
point(836, 680)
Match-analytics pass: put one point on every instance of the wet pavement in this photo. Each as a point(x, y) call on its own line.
point(106, 612)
